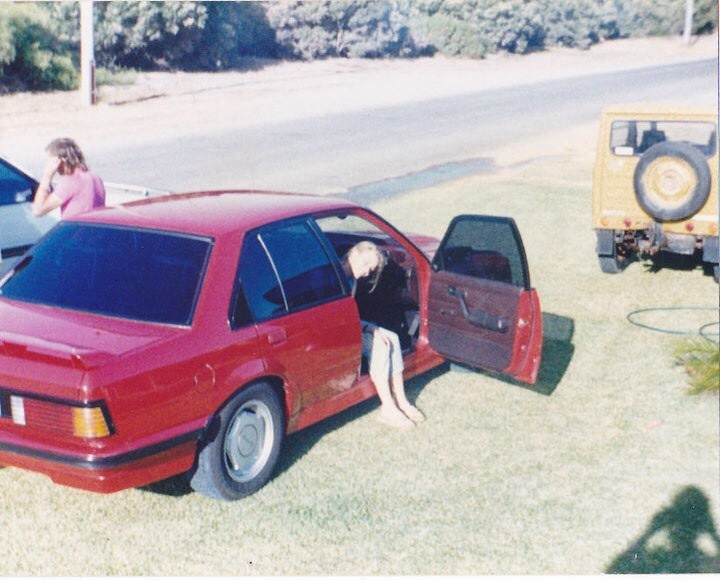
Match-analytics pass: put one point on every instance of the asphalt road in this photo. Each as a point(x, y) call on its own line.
point(361, 151)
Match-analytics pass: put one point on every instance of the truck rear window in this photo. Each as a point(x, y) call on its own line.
point(629, 138)
point(138, 274)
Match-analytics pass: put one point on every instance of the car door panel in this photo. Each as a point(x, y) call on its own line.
point(471, 337)
point(318, 350)
point(481, 308)
point(308, 326)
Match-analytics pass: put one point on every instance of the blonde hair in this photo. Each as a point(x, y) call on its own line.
point(365, 247)
point(68, 152)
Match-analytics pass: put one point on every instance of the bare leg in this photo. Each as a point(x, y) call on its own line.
point(390, 413)
point(398, 390)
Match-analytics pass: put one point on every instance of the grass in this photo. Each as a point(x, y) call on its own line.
point(565, 478)
point(115, 76)
point(701, 359)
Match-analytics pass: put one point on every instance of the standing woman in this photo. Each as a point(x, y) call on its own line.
point(380, 345)
point(77, 191)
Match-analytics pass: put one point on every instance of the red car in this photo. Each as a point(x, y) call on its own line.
point(191, 333)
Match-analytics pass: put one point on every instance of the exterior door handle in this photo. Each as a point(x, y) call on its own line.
point(276, 335)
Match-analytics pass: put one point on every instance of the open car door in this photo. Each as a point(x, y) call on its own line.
point(482, 311)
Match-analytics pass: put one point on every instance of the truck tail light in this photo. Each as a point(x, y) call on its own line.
point(86, 421)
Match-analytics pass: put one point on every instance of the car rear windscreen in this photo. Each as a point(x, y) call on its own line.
point(138, 274)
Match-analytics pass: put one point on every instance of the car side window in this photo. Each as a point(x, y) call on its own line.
point(14, 186)
point(259, 281)
point(285, 268)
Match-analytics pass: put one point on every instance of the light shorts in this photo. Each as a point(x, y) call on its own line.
point(381, 364)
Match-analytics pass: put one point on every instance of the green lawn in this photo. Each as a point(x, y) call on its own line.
point(501, 479)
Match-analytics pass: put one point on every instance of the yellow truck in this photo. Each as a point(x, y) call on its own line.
point(655, 185)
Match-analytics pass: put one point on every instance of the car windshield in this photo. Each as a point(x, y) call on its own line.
point(138, 274)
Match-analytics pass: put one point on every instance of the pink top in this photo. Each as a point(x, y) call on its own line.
point(79, 193)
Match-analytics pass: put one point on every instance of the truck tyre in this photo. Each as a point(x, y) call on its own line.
point(607, 252)
point(672, 181)
point(610, 265)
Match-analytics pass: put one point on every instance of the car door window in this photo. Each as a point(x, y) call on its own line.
point(259, 280)
point(14, 186)
point(482, 311)
point(492, 252)
point(285, 268)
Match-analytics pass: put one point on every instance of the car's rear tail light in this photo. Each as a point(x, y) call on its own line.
point(87, 421)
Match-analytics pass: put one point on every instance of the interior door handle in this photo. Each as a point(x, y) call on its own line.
point(479, 318)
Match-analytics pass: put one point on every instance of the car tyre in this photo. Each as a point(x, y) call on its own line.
point(672, 181)
point(241, 446)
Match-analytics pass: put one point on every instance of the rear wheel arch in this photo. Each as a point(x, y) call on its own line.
point(221, 471)
point(277, 382)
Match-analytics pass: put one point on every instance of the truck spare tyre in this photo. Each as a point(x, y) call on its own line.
point(672, 181)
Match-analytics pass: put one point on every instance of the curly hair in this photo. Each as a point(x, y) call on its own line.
point(68, 152)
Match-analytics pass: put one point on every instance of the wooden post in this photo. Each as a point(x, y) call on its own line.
point(87, 53)
point(689, 12)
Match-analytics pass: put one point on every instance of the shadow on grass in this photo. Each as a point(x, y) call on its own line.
point(557, 352)
point(299, 444)
point(678, 262)
point(176, 486)
point(681, 539)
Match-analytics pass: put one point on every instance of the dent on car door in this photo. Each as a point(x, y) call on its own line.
point(482, 310)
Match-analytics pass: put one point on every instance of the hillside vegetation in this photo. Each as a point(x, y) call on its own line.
point(39, 41)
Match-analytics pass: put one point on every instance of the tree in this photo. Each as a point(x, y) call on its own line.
point(31, 56)
point(148, 35)
point(339, 28)
point(234, 31)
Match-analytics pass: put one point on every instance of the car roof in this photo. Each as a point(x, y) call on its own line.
point(214, 213)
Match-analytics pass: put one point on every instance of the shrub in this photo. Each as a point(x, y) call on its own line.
point(701, 359)
point(705, 19)
point(665, 17)
point(448, 35)
point(574, 24)
point(234, 31)
point(31, 55)
point(148, 35)
point(115, 76)
point(339, 28)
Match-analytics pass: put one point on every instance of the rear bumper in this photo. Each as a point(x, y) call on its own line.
point(107, 472)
